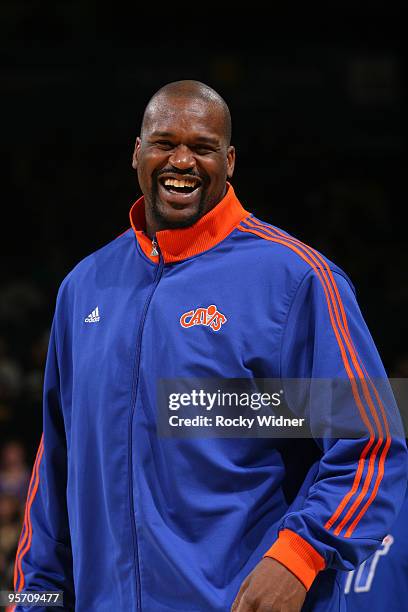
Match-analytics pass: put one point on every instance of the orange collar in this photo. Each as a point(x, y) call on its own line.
point(179, 244)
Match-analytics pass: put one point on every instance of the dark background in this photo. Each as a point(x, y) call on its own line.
point(319, 123)
point(320, 127)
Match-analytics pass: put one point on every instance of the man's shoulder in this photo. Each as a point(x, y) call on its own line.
point(283, 250)
point(103, 263)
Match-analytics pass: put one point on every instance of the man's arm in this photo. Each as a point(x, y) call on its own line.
point(360, 484)
point(44, 558)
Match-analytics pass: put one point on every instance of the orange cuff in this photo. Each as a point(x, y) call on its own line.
point(297, 555)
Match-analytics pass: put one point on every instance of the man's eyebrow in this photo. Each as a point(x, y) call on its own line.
point(158, 134)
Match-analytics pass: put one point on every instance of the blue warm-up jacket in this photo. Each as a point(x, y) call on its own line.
point(120, 518)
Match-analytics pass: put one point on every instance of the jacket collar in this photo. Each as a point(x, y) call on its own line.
point(179, 244)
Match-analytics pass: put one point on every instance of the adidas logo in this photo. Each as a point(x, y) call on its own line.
point(93, 317)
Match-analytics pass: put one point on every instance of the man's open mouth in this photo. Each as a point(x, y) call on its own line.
point(185, 185)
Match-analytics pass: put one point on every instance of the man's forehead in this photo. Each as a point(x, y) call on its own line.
point(166, 114)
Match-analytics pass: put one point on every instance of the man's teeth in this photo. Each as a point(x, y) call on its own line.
point(182, 183)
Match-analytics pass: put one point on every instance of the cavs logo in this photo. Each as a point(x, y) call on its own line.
point(211, 317)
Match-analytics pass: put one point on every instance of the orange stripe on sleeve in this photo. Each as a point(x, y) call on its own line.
point(24, 531)
point(381, 467)
point(384, 453)
point(370, 472)
point(23, 548)
point(317, 259)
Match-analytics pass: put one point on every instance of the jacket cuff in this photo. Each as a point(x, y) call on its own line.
point(298, 556)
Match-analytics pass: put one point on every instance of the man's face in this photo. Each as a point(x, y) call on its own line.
point(182, 161)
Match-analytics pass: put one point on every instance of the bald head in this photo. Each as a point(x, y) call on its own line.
point(189, 90)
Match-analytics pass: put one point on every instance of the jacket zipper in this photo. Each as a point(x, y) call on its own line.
point(155, 248)
point(136, 370)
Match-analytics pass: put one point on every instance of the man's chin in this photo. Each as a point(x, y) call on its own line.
point(178, 223)
point(173, 218)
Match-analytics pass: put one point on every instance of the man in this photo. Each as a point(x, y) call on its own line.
point(120, 518)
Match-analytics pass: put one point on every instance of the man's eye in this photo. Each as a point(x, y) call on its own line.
point(164, 144)
point(203, 150)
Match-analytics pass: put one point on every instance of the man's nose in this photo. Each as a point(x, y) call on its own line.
point(182, 157)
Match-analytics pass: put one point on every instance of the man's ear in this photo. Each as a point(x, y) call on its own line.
point(230, 161)
point(135, 157)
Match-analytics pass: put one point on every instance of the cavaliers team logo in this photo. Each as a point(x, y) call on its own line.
point(210, 316)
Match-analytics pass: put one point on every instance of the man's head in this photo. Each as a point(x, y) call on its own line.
point(183, 155)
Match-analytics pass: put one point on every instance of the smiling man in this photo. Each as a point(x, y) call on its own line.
point(121, 518)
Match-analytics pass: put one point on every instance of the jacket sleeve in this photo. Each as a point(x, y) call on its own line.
point(361, 479)
point(44, 558)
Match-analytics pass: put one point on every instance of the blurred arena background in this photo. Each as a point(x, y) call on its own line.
point(319, 114)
